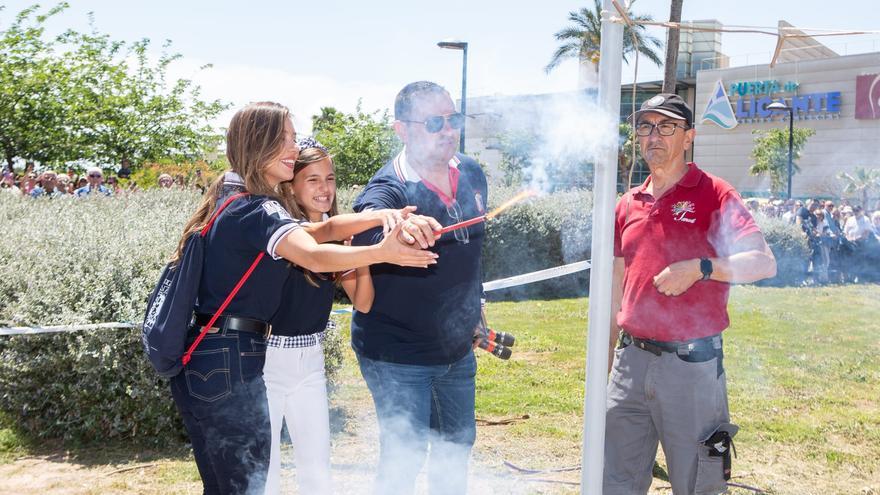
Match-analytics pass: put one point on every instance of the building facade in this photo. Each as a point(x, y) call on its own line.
point(838, 97)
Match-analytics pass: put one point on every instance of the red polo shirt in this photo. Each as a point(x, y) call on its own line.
point(702, 216)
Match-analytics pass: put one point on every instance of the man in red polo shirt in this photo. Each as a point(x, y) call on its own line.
point(680, 240)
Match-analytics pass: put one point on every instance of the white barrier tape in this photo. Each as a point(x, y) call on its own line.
point(62, 328)
point(502, 283)
point(537, 276)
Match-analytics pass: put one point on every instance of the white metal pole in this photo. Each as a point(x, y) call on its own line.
point(604, 196)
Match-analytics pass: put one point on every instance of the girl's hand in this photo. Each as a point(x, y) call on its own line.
point(396, 251)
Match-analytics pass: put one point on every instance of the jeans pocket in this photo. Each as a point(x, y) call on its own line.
point(207, 375)
point(710, 474)
point(252, 355)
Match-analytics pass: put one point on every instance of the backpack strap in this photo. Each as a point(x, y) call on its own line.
point(188, 355)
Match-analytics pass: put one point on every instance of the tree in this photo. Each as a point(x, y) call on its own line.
point(583, 38)
point(771, 155)
point(32, 96)
point(860, 182)
point(83, 96)
point(516, 148)
point(525, 160)
point(360, 142)
point(141, 117)
point(672, 41)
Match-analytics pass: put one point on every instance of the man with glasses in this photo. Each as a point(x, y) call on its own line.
point(680, 240)
point(95, 178)
point(414, 347)
point(47, 185)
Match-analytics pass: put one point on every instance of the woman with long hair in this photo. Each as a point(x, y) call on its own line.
point(220, 393)
point(294, 369)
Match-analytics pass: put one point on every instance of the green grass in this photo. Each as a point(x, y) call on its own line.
point(803, 367)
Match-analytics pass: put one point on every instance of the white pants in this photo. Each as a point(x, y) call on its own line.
point(297, 392)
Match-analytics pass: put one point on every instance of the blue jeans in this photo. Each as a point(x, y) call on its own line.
point(222, 398)
point(417, 406)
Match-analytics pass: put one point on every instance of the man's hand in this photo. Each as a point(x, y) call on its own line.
point(678, 277)
point(390, 218)
point(419, 229)
point(478, 336)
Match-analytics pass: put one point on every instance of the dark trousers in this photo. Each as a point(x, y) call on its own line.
point(222, 398)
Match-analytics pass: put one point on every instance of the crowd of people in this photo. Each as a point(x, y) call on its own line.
point(71, 183)
point(844, 238)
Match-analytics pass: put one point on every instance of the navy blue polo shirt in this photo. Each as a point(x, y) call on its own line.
point(247, 226)
point(304, 308)
point(424, 316)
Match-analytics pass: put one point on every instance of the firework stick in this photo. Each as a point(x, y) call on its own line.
point(494, 213)
point(459, 225)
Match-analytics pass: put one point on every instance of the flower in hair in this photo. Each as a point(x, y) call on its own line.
point(310, 142)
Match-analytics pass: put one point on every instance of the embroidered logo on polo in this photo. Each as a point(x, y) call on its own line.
point(275, 208)
point(680, 211)
point(478, 198)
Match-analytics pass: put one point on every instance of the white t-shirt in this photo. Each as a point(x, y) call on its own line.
point(857, 227)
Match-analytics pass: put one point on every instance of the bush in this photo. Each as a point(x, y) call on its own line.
point(541, 233)
point(789, 246)
point(74, 261)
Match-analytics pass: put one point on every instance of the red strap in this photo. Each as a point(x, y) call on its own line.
point(188, 355)
point(192, 347)
point(216, 214)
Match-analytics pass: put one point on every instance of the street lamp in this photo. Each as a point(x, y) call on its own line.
point(777, 106)
point(460, 45)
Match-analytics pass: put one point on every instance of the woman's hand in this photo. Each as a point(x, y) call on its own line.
point(397, 251)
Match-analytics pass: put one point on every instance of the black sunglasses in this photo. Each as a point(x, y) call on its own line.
point(435, 124)
point(95, 176)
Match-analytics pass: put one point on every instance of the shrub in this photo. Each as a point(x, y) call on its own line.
point(543, 232)
point(789, 246)
point(74, 261)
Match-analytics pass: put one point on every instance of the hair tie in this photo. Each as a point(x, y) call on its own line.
point(310, 142)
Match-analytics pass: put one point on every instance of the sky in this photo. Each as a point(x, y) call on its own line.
point(334, 53)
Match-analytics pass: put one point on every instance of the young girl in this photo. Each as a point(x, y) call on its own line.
point(220, 393)
point(294, 369)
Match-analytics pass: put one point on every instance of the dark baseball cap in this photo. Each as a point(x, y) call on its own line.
point(668, 104)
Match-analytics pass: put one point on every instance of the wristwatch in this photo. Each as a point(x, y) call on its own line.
point(706, 268)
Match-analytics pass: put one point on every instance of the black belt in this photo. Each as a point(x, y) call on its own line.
point(231, 323)
point(710, 344)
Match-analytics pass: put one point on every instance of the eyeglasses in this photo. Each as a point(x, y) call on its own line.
point(435, 124)
point(95, 176)
point(454, 212)
point(645, 129)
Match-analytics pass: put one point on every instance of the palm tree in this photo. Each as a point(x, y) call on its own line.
point(583, 38)
point(860, 182)
point(672, 42)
